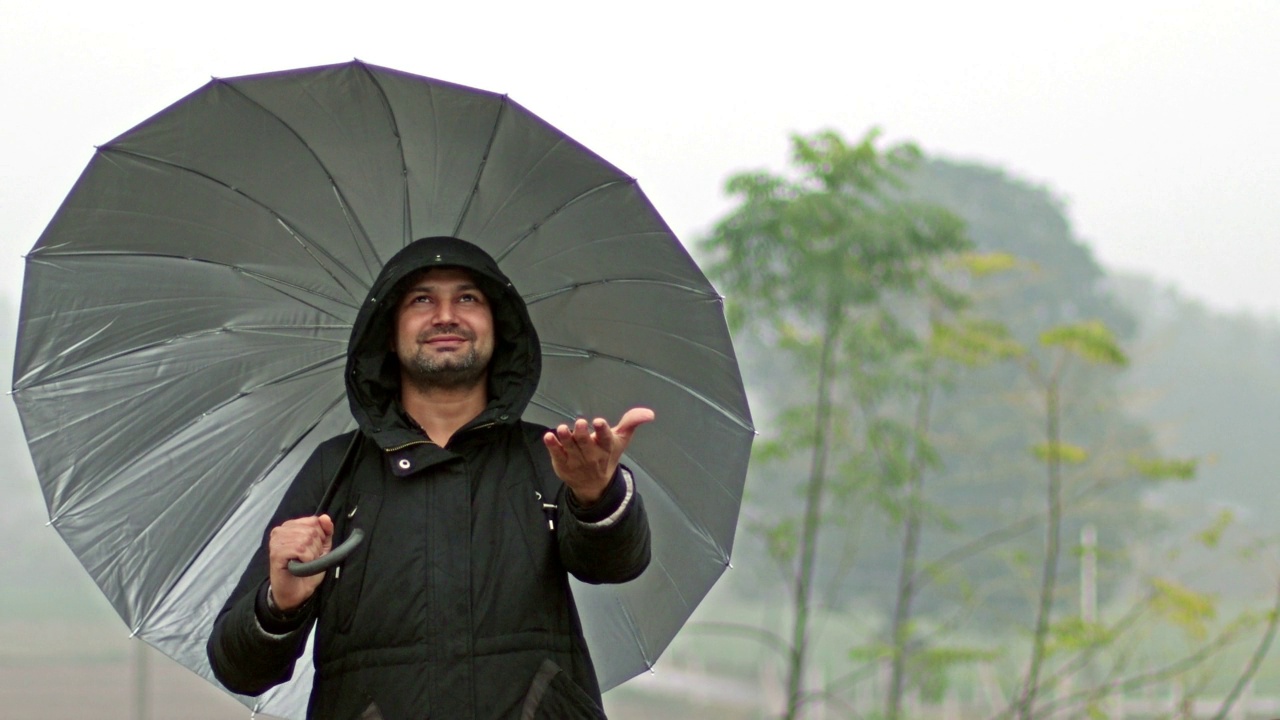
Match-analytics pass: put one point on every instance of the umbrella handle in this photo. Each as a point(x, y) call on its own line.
point(324, 562)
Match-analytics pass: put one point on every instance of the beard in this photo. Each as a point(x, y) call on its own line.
point(445, 371)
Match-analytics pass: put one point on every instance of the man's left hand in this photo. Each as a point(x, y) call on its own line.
point(585, 456)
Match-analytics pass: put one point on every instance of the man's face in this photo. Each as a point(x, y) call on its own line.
point(444, 330)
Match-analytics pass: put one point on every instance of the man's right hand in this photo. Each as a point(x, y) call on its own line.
point(302, 539)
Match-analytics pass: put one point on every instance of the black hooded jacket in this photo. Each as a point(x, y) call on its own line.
point(457, 604)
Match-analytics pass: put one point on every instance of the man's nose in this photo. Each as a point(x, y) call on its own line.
point(444, 314)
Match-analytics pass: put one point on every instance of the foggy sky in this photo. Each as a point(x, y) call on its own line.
point(1155, 121)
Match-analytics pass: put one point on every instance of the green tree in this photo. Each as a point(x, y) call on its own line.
point(1089, 342)
point(909, 447)
point(904, 449)
point(1073, 642)
point(984, 475)
point(824, 262)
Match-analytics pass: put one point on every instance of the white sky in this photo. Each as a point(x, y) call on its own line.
point(1158, 122)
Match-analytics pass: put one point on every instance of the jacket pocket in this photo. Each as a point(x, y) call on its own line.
point(348, 578)
point(553, 695)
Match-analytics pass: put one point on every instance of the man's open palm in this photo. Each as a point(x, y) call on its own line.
point(585, 456)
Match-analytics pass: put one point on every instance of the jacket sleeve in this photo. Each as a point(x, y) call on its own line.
point(249, 650)
point(608, 542)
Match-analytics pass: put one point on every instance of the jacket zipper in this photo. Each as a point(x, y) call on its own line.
point(429, 442)
point(406, 445)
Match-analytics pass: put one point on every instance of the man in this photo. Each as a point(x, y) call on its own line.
point(457, 603)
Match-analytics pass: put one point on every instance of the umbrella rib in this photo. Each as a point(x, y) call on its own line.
point(354, 226)
point(550, 349)
point(292, 374)
point(484, 162)
point(702, 346)
point(516, 187)
point(20, 384)
point(546, 218)
point(309, 248)
point(171, 341)
point(689, 520)
point(674, 585)
point(269, 281)
point(635, 633)
point(262, 280)
point(549, 404)
point(407, 220)
point(636, 235)
point(163, 595)
point(437, 170)
point(160, 441)
point(63, 427)
point(547, 294)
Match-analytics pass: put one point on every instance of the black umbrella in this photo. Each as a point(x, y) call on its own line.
point(185, 316)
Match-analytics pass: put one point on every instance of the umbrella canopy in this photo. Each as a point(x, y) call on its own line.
point(185, 317)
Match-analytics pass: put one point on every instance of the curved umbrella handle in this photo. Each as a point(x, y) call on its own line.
point(335, 556)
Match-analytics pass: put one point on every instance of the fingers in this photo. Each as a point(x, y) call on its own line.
point(585, 454)
point(616, 439)
point(303, 539)
point(581, 435)
point(632, 419)
point(566, 437)
point(577, 438)
point(604, 435)
point(549, 439)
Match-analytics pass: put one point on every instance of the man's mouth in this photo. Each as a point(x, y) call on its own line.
point(445, 338)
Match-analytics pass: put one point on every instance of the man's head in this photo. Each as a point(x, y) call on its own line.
point(387, 343)
point(444, 330)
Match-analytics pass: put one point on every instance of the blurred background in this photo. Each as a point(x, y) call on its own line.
point(1028, 472)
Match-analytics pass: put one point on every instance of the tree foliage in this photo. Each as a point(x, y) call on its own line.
point(941, 390)
point(829, 264)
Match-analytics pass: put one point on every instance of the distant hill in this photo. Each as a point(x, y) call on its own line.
point(1202, 383)
point(1208, 384)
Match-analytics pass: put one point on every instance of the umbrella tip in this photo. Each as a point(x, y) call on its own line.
point(135, 632)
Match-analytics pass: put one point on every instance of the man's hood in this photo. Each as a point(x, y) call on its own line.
point(373, 372)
